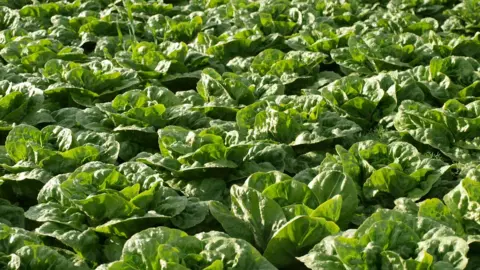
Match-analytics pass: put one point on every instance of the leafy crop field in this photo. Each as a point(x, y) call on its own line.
point(239, 134)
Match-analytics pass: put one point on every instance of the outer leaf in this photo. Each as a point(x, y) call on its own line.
point(297, 237)
point(330, 183)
